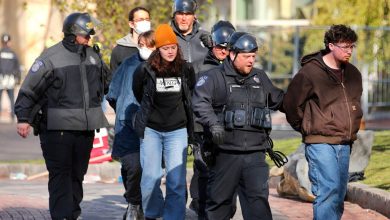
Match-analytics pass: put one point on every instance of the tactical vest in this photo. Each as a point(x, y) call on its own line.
point(246, 106)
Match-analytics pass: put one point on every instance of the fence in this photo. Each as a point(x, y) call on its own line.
point(282, 47)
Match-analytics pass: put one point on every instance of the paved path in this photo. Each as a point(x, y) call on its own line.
point(29, 200)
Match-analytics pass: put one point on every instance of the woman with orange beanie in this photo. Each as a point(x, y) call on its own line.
point(162, 85)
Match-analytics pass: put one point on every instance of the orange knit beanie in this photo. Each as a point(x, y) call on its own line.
point(164, 35)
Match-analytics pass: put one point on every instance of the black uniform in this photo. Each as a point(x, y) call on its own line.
point(224, 97)
point(9, 74)
point(67, 82)
point(199, 180)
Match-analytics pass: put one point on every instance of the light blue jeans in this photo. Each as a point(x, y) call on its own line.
point(173, 146)
point(328, 173)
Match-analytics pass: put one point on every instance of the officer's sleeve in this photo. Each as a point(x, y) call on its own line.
point(294, 101)
point(274, 94)
point(34, 86)
point(202, 100)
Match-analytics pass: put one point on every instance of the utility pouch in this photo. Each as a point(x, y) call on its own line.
point(239, 118)
point(229, 120)
point(257, 118)
point(266, 119)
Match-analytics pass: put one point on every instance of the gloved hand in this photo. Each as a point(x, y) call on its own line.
point(218, 133)
point(206, 40)
point(198, 158)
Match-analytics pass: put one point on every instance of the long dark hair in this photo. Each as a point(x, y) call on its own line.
point(164, 68)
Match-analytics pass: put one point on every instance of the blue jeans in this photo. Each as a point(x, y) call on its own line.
point(328, 173)
point(173, 146)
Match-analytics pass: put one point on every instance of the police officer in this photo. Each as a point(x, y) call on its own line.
point(188, 30)
point(67, 83)
point(9, 70)
point(232, 102)
point(218, 51)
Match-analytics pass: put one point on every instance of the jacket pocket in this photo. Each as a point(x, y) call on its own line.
point(327, 122)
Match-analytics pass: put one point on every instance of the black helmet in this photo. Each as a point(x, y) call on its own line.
point(186, 6)
point(221, 32)
point(242, 42)
point(5, 38)
point(79, 24)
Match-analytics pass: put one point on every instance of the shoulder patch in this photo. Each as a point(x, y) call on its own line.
point(201, 80)
point(35, 67)
point(256, 78)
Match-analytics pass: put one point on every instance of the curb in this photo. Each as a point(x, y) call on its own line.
point(369, 198)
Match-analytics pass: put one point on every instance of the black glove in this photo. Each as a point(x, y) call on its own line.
point(218, 133)
point(206, 40)
point(198, 158)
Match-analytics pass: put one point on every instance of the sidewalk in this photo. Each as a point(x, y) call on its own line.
point(22, 199)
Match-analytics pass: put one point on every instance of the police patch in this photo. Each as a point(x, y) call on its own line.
point(201, 80)
point(35, 67)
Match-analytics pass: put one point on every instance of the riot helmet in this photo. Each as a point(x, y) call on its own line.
point(221, 32)
point(5, 38)
point(242, 42)
point(186, 6)
point(80, 24)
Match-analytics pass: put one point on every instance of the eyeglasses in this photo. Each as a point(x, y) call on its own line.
point(345, 48)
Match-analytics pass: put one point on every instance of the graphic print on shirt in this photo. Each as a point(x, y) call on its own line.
point(171, 84)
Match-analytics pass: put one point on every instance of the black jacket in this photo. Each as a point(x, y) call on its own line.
point(210, 99)
point(72, 83)
point(125, 47)
point(144, 88)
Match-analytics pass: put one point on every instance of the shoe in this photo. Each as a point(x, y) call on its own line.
point(140, 213)
point(134, 212)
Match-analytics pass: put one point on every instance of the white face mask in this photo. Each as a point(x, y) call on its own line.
point(142, 26)
point(145, 52)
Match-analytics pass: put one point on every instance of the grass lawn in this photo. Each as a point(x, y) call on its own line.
point(377, 174)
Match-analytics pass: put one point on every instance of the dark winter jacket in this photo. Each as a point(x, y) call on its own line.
point(190, 45)
point(125, 47)
point(9, 67)
point(144, 88)
point(201, 66)
point(72, 80)
point(320, 106)
point(211, 96)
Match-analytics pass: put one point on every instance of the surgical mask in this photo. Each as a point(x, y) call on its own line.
point(142, 26)
point(145, 52)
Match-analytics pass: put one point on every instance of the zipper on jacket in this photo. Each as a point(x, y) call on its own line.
point(83, 75)
point(349, 112)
